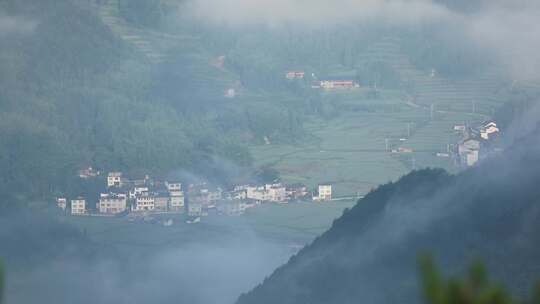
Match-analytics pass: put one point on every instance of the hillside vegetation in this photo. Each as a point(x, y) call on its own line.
point(74, 93)
point(139, 86)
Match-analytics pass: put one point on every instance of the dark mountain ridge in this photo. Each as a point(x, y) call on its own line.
point(369, 254)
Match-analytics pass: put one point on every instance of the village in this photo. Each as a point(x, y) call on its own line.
point(140, 197)
point(147, 196)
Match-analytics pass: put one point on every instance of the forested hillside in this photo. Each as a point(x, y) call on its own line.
point(369, 254)
point(139, 86)
point(73, 94)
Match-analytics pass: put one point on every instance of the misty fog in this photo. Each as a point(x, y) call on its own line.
point(212, 270)
point(248, 96)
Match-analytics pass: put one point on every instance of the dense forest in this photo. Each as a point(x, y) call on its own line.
point(490, 211)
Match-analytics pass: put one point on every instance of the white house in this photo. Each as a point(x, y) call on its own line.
point(230, 93)
point(469, 151)
point(114, 179)
point(195, 209)
point(61, 202)
point(268, 193)
point(276, 193)
point(233, 208)
point(173, 186)
point(256, 193)
point(176, 201)
point(78, 206)
point(112, 203)
point(460, 128)
point(488, 129)
point(144, 202)
point(88, 172)
point(296, 191)
point(161, 202)
point(215, 195)
point(137, 191)
point(338, 84)
point(324, 193)
point(295, 75)
point(237, 194)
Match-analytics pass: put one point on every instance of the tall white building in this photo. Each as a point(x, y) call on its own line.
point(324, 193)
point(112, 203)
point(488, 129)
point(268, 193)
point(114, 179)
point(469, 151)
point(144, 202)
point(78, 206)
point(176, 201)
point(161, 202)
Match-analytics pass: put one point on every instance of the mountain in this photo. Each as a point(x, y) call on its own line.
point(138, 86)
point(369, 255)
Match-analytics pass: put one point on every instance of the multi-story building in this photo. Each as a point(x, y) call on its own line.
point(195, 209)
point(232, 208)
point(324, 193)
point(469, 152)
point(78, 206)
point(296, 191)
point(61, 202)
point(276, 193)
point(176, 201)
point(258, 193)
point(137, 191)
point(161, 201)
point(267, 193)
point(114, 179)
point(112, 203)
point(173, 186)
point(144, 202)
point(488, 129)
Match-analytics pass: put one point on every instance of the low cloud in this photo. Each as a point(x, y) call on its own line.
point(314, 12)
point(512, 33)
point(508, 30)
point(10, 25)
point(205, 272)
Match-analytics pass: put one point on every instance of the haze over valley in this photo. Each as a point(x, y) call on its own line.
point(257, 151)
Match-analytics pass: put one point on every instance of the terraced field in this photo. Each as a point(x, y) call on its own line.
point(353, 151)
point(181, 55)
point(155, 46)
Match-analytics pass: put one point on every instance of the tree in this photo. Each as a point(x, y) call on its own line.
point(1, 282)
point(475, 288)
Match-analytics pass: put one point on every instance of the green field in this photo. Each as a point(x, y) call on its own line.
point(292, 224)
point(350, 149)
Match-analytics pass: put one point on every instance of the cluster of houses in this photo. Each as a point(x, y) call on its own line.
point(146, 195)
point(326, 84)
point(125, 195)
point(476, 143)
